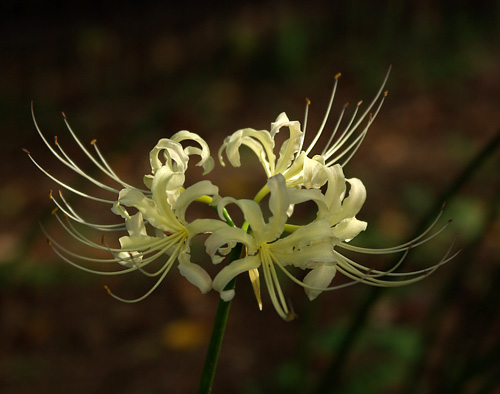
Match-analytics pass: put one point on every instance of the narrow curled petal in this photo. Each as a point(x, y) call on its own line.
point(204, 226)
point(336, 188)
point(173, 154)
point(193, 192)
point(225, 236)
point(354, 201)
point(206, 161)
point(259, 141)
point(279, 203)
point(319, 277)
point(349, 228)
point(194, 273)
point(291, 146)
point(231, 271)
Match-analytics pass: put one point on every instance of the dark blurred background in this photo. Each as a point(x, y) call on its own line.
point(129, 74)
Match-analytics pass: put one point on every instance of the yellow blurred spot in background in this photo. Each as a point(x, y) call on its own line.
point(185, 334)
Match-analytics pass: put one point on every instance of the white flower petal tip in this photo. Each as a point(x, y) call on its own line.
point(227, 295)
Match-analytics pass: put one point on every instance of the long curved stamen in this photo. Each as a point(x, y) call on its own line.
point(166, 269)
point(417, 241)
point(357, 141)
point(304, 126)
point(62, 252)
point(71, 213)
point(325, 118)
point(112, 173)
point(65, 159)
point(152, 245)
point(73, 166)
point(346, 267)
point(67, 187)
point(336, 128)
point(272, 283)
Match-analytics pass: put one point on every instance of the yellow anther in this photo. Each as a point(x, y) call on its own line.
point(386, 93)
point(54, 211)
point(337, 76)
point(55, 140)
point(93, 141)
point(107, 289)
point(308, 102)
point(50, 194)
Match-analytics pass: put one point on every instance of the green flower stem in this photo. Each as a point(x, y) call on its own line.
point(333, 372)
point(261, 194)
point(214, 347)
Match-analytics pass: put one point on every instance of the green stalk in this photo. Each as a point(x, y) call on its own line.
point(214, 347)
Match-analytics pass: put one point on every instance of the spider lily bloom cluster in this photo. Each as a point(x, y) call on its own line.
point(156, 227)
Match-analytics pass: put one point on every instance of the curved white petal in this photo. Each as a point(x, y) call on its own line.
point(225, 236)
point(315, 231)
point(303, 257)
point(336, 187)
point(204, 226)
point(207, 162)
point(194, 273)
point(231, 271)
point(279, 203)
point(135, 225)
point(291, 146)
point(259, 141)
point(193, 192)
point(320, 277)
point(354, 201)
point(173, 154)
point(349, 228)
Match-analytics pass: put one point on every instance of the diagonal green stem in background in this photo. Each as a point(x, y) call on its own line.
point(208, 374)
point(332, 374)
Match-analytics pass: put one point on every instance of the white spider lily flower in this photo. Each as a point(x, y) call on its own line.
point(307, 248)
point(340, 211)
point(333, 205)
point(173, 233)
point(162, 208)
point(294, 162)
